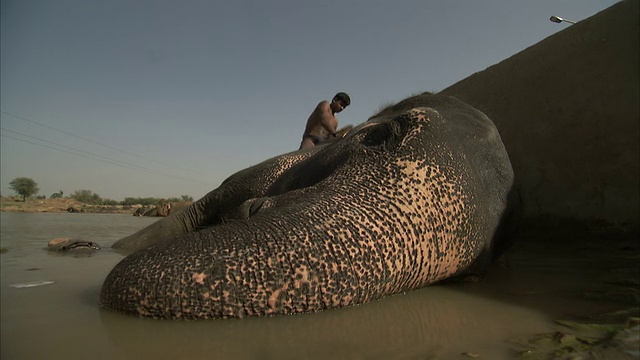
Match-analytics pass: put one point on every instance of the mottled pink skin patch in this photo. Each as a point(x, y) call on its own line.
point(199, 278)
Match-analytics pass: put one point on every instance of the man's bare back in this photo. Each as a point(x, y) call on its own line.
point(322, 122)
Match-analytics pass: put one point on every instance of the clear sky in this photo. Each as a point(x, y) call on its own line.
point(163, 98)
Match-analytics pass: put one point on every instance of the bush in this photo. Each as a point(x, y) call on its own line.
point(87, 197)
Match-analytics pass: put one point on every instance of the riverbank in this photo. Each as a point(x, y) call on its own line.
point(15, 204)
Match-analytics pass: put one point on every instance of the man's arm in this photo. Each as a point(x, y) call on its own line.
point(327, 116)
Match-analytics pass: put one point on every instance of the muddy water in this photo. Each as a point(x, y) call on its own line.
point(62, 319)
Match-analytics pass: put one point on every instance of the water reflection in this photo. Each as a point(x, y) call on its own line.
point(428, 322)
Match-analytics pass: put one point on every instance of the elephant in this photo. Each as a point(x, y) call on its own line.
point(420, 194)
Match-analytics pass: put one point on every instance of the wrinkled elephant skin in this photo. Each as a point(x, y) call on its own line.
point(400, 202)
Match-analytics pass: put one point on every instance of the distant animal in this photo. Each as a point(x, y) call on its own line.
point(72, 245)
point(404, 200)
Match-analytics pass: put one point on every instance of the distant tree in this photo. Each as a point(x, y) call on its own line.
point(128, 201)
point(140, 201)
point(87, 197)
point(109, 202)
point(24, 186)
point(56, 195)
point(182, 198)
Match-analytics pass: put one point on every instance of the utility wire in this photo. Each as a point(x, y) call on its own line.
point(78, 151)
point(92, 156)
point(64, 151)
point(96, 142)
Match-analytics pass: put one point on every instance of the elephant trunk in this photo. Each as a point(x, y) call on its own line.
point(222, 272)
point(270, 265)
point(217, 205)
point(207, 211)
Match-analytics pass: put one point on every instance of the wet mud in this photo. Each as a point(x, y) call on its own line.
point(584, 276)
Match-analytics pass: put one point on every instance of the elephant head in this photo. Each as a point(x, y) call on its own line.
point(402, 201)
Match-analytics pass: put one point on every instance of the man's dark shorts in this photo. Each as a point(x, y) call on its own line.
point(317, 139)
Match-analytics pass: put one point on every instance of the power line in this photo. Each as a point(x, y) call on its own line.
point(93, 156)
point(53, 148)
point(96, 142)
point(78, 151)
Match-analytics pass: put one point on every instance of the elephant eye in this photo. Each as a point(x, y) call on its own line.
point(382, 134)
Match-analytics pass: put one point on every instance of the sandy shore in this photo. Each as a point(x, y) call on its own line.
point(15, 204)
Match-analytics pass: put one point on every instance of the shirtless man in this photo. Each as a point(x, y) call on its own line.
point(322, 122)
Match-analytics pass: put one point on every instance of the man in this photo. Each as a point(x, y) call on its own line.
point(322, 122)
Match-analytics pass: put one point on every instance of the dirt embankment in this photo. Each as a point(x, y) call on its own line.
point(16, 204)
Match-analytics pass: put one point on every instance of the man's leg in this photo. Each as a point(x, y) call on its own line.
point(307, 142)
